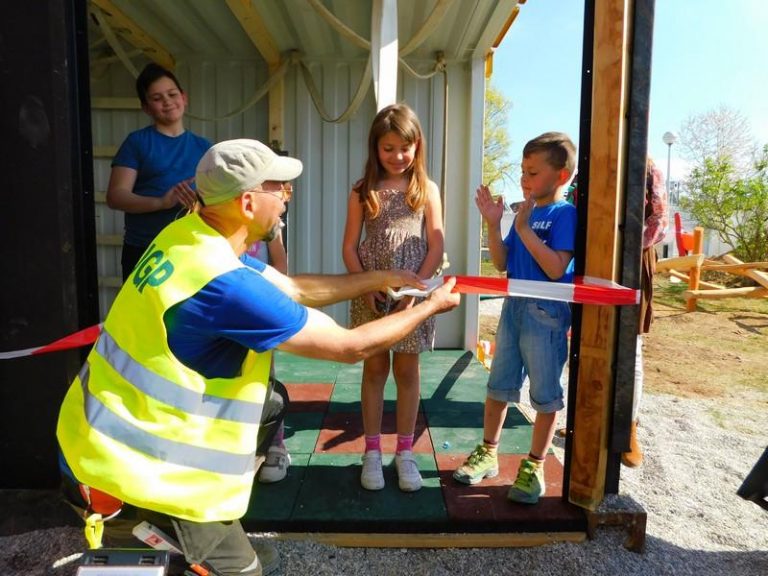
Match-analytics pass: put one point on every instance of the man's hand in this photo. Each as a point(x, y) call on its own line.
point(443, 298)
point(404, 303)
point(399, 278)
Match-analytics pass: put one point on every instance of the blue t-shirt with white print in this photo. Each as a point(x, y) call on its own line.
point(555, 225)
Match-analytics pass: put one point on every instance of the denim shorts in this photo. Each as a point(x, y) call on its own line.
point(531, 340)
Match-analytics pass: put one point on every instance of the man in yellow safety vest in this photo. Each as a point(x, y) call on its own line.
point(174, 406)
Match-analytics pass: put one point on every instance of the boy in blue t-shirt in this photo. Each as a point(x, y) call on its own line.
point(532, 334)
point(152, 172)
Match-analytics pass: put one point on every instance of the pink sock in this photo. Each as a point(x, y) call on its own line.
point(373, 443)
point(404, 443)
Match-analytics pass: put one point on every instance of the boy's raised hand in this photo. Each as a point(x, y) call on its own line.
point(491, 210)
point(524, 211)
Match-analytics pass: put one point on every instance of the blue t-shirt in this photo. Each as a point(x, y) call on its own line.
point(555, 225)
point(161, 162)
point(212, 331)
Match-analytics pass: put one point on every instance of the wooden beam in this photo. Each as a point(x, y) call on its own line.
point(260, 36)
point(702, 283)
point(746, 292)
point(680, 263)
point(492, 540)
point(256, 29)
point(115, 103)
point(737, 267)
point(109, 239)
point(759, 277)
point(606, 186)
point(694, 274)
point(104, 152)
point(134, 35)
point(110, 281)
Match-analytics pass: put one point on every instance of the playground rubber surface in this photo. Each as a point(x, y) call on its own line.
point(323, 432)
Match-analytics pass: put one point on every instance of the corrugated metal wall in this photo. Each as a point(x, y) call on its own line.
point(333, 155)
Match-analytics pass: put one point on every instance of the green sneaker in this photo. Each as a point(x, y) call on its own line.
point(480, 464)
point(529, 485)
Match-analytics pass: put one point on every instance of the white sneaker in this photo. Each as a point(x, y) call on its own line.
point(275, 467)
point(408, 475)
point(372, 477)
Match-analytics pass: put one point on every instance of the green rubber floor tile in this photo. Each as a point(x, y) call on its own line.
point(459, 388)
point(302, 430)
point(462, 399)
point(332, 492)
point(346, 396)
point(460, 432)
point(275, 501)
point(349, 374)
point(291, 368)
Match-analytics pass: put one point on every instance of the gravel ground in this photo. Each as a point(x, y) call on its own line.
point(696, 523)
point(697, 454)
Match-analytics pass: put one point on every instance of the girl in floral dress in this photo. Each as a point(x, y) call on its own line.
point(399, 208)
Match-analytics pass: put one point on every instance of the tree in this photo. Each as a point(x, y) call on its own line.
point(719, 133)
point(734, 207)
point(497, 167)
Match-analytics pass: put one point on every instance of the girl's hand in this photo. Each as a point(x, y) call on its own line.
point(491, 210)
point(372, 298)
point(404, 303)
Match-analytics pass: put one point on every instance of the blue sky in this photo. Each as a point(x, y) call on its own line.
point(706, 53)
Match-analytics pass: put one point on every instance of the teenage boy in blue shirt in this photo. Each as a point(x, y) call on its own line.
point(532, 335)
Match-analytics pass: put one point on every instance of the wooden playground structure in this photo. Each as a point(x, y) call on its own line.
point(689, 266)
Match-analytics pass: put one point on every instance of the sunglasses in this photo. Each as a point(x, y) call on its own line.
point(285, 191)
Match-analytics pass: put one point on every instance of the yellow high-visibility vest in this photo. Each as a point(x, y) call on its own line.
point(138, 424)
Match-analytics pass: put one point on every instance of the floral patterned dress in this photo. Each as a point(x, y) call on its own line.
point(394, 240)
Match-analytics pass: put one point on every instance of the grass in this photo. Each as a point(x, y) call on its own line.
point(487, 269)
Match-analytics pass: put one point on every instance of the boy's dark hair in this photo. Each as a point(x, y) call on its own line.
point(560, 150)
point(151, 73)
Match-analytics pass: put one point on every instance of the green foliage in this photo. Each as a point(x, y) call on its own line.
point(736, 208)
point(497, 167)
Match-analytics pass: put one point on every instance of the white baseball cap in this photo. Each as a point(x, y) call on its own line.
point(231, 167)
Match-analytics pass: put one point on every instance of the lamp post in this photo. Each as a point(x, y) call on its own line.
point(669, 138)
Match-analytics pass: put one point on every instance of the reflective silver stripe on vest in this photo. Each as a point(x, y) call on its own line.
point(168, 392)
point(108, 423)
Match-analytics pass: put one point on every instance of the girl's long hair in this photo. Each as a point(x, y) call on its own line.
point(401, 120)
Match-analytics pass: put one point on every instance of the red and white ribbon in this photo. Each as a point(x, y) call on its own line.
point(76, 340)
point(584, 290)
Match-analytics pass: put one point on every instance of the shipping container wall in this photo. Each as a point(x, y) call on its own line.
point(334, 154)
